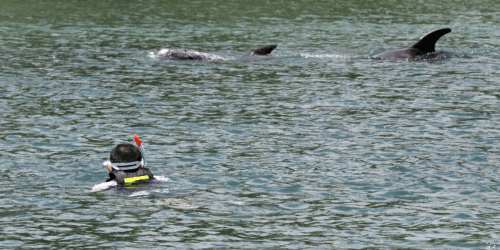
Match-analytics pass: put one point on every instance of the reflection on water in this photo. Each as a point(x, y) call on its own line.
point(307, 150)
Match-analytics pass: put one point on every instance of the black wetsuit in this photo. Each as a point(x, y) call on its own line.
point(130, 176)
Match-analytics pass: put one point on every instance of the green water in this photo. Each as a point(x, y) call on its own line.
point(308, 150)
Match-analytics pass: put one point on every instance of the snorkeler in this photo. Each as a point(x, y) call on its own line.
point(127, 167)
point(127, 164)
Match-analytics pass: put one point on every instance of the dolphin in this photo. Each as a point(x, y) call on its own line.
point(423, 50)
point(261, 53)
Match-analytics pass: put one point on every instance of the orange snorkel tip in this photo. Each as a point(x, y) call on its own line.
point(137, 141)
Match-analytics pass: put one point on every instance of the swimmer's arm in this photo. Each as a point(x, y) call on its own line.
point(104, 186)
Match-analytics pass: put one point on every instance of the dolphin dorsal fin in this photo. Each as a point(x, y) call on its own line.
point(427, 43)
point(266, 50)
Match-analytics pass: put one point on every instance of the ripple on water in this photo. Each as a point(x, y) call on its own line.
point(307, 150)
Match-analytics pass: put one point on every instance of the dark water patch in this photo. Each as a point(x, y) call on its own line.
point(308, 150)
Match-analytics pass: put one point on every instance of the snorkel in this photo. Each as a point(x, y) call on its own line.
point(129, 165)
point(143, 151)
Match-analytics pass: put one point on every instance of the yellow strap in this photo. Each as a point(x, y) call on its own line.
point(131, 180)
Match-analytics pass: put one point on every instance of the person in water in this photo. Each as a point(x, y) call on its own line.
point(127, 164)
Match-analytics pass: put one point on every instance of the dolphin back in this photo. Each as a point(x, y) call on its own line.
point(264, 51)
point(427, 43)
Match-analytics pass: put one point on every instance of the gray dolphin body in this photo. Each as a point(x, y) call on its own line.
point(261, 53)
point(423, 50)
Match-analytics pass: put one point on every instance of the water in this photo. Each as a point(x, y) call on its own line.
point(308, 150)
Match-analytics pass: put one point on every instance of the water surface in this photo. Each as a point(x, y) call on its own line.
point(307, 150)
